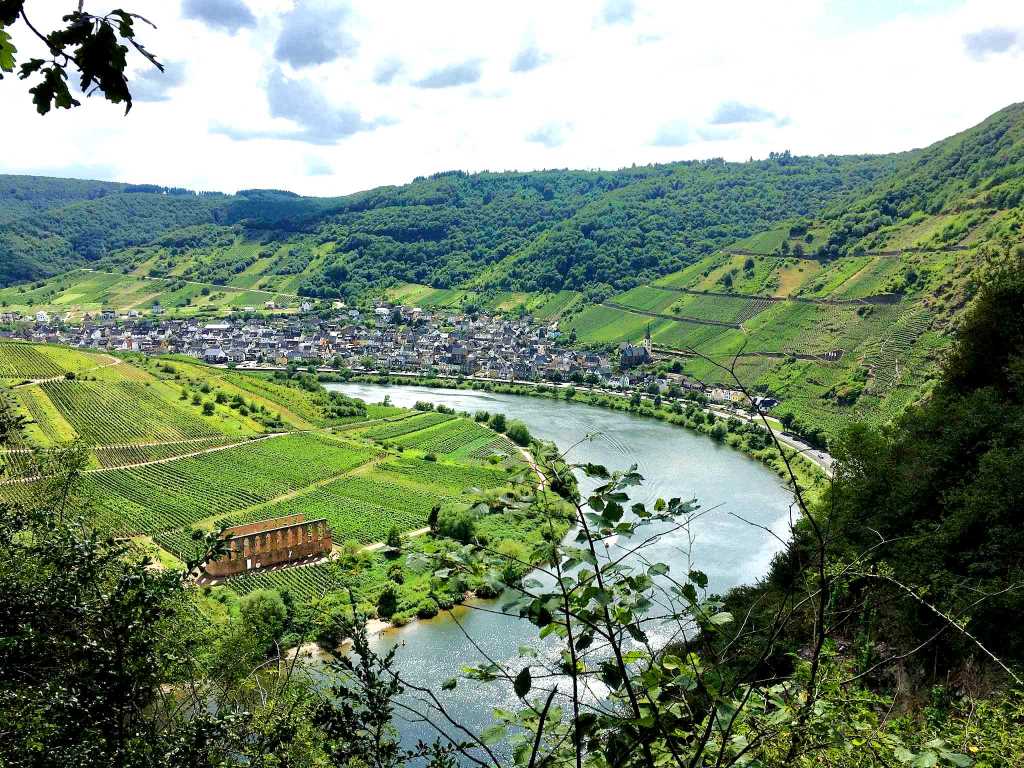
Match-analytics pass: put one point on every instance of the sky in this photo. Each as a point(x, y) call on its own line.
point(328, 97)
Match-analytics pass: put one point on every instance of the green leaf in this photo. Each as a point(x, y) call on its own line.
point(957, 759)
point(721, 618)
point(699, 578)
point(7, 51)
point(492, 734)
point(611, 675)
point(903, 754)
point(449, 684)
point(9, 11)
point(585, 723)
point(523, 683)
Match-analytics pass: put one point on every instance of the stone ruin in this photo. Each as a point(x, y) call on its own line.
point(267, 543)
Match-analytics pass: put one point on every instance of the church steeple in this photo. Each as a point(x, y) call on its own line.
point(647, 340)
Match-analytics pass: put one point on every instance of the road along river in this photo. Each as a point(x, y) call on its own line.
point(673, 461)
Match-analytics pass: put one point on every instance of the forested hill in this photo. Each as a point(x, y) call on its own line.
point(979, 170)
point(23, 195)
point(529, 231)
point(595, 231)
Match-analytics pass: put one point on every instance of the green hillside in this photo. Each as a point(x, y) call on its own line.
point(175, 447)
point(524, 231)
point(833, 282)
point(846, 316)
point(23, 195)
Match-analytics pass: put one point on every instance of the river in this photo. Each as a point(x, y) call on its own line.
point(673, 461)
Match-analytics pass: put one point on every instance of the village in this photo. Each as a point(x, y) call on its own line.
point(383, 338)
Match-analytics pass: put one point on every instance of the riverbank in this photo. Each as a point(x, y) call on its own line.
point(740, 431)
point(805, 451)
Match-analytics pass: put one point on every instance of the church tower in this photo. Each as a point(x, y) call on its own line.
point(647, 341)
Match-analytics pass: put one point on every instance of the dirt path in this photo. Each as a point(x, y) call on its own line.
point(206, 522)
point(185, 441)
point(376, 546)
point(165, 460)
point(881, 298)
point(541, 480)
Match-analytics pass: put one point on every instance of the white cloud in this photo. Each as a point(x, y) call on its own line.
point(316, 120)
point(550, 135)
point(730, 112)
point(313, 32)
point(387, 71)
point(243, 119)
point(675, 133)
point(618, 11)
point(227, 15)
point(993, 40)
point(154, 85)
point(529, 58)
point(451, 75)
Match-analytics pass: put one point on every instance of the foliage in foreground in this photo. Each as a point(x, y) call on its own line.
point(104, 662)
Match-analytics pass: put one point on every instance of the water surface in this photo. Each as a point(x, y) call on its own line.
point(674, 462)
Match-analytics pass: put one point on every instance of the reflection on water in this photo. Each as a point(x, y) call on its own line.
point(674, 463)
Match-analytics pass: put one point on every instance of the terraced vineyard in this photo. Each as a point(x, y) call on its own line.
point(443, 476)
point(830, 357)
point(295, 401)
point(722, 309)
point(156, 497)
point(25, 361)
point(114, 456)
point(305, 583)
point(447, 437)
point(753, 307)
point(357, 509)
point(442, 434)
point(178, 449)
point(683, 335)
point(603, 325)
point(20, 361)
point(86, 291)
point(895, 350)
point(15, 463)
point(406, 426)
point(360, 506)
point(648, 298)
point(120, 412)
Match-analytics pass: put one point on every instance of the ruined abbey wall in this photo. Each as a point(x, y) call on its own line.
point(260, 545)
